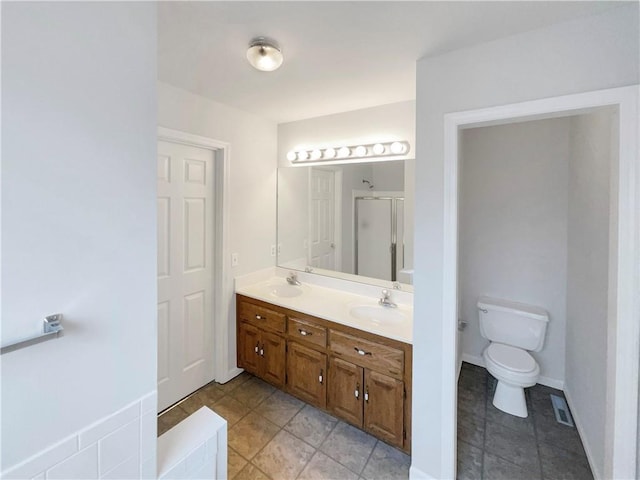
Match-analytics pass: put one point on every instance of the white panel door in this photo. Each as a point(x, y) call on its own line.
point(185, 270)
point(322, 219)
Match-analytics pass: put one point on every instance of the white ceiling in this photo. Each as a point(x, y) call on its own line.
point(339, 56)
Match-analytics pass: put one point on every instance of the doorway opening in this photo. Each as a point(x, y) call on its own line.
point(617, 441)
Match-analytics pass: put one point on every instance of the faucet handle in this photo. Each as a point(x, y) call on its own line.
point(385, 293)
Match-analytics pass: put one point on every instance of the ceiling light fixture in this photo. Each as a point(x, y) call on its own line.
point(264, 55)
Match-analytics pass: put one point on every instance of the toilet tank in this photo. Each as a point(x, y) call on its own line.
point(512, 323)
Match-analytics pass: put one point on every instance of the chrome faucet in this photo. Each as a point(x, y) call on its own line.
point(385, 301)
point(292, 279)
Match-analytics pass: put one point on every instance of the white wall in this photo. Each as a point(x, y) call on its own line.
point(78, 224)
point(586, 54)
point(587, 278)
point(252, 179)
point(513, 229)
point(388, 176)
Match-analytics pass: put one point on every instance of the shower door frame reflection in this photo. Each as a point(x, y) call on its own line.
point(393, 219)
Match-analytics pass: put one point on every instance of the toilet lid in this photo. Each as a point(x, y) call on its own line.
point(511, 358)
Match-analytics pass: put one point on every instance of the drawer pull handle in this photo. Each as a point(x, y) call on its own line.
point(320, 377)
point(361, 352)
point(304, 333)
point(260, 317)
point(262, 351)
point(366, 395)
point(257, 347)
point(357, 392)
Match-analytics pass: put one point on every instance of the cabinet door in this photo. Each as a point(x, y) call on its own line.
point(306, 374)
point(249, 348)
point(383, 407)
point(345, 390)
point(273, 358)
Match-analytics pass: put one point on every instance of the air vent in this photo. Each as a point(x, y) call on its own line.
point(561, 410)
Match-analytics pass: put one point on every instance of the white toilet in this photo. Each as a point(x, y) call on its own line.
point(512, 328)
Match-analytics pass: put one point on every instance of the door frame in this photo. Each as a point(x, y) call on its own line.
point(622, 370)
point(222, 280)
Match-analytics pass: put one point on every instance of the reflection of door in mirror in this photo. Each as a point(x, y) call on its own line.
point(322, 251)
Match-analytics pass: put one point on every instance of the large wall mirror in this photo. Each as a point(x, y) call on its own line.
point(343, 220)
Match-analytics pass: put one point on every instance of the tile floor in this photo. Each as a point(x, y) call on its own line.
point(494, 445)
point(273, 435)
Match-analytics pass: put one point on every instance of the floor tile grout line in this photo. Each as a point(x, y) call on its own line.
point(535, 433)
point(484, 440)
point(361, 474)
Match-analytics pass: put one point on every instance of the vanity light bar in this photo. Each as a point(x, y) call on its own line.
point(373, 150)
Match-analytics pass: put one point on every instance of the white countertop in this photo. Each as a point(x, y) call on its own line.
point(335, 305)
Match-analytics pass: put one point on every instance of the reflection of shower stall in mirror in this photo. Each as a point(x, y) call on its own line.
point(379, 235)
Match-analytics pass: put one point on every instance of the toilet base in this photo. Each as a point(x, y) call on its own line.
point(510, 399)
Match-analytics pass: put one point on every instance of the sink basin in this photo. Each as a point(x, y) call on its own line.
point(376, 313)
point(284, 290)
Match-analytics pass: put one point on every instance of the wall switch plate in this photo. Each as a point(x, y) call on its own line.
point(273, 250)
point(234, 259)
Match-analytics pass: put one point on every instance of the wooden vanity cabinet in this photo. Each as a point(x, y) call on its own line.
point(384, 407)
point(260, 344)
point(359, 377)
point(307, 374)
point(367, 399)
point(345, 395)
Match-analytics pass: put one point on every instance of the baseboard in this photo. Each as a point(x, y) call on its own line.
point(473, 360)
point(585, 444)
point(551, 382)
point(417, 474)
point(547, 381)
point(229, 375)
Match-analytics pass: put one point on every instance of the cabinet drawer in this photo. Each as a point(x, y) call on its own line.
point(378, 357)
point(307, 332)
point(262, 317)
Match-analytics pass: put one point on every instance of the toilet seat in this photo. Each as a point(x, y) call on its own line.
point(512, 358)
point(512, 365)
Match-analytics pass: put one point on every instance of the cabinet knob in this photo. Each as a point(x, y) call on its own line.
point(366, 394)
point(262, 351)
point(357, 392)
point(257, 347)
point(320, 377)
